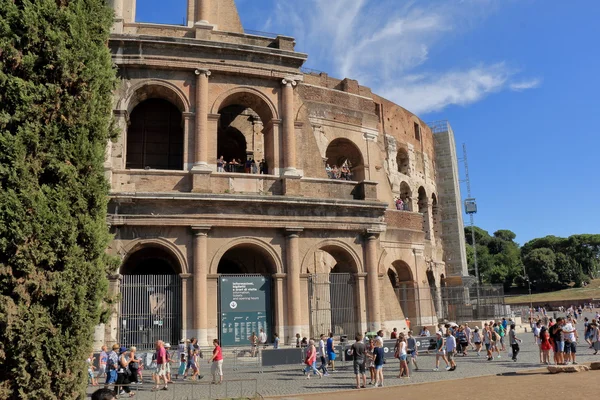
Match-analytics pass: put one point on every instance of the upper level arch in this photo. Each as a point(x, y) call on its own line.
point(155, 89)
point(341, 153)
point(249, 97)
point(272, 261)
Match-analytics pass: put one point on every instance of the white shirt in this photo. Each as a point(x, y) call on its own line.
point(569, 331)
point(536, 333)
point(322, 347)
point(450, 343)
point(380, 340)
point(476, 337)
point(402, 348)
point(262, 337)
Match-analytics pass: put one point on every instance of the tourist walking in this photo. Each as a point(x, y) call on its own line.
point(191, 359)
point(331, 351)
point(102, 359)
point(595, 338)
point(262, 338)
point(413, 352)
point(514, 342)
point(112, 364)
point(216, 368)
point(253, 344)
point(440, 352)
point(451, 350)
point(359, 359)
point(134, 365)
point(379, 361)
point(311, 360)
point(477, 340)
point(182, 366)
point(537, 328)
point(322, 354)
point(122, 386)
point(487, 340)
point(169, 361)
point(91, 368)
point(160, 373)
point(570, 331)
point(401, 353)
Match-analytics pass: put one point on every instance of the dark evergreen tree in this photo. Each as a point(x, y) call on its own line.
point(56, 82)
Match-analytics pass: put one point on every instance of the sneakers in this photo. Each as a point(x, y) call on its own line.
point(436, 369)
point(448, 368)
point(325, 374)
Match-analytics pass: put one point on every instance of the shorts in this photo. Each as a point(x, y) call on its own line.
point(413, 354)
point(102, 371)
point(450, 355)
point(560, 346)
point(378, 367)
point(111, 377)
point(402, 357)
point(571, 348)
point(161, 370)
point(477, 343)
point(331, 356)
point(192, 365)
point(90, 374)
point(441, 352)
point(217, 368)
point(359, 368)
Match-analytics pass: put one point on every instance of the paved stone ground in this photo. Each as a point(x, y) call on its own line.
point(290, 381)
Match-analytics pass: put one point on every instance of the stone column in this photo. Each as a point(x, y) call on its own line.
point(200, 306)
point(111, 333)
point(418, 257)
point(189, 153)
point(362, 302)
point(202, 11)
point(184, 304)
point(201, 136)
point(373, 302)
point(289, 131)
point(279, 306)
point(294, 300)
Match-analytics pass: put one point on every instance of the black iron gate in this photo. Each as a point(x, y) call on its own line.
point(332, 304)
point(150, 310)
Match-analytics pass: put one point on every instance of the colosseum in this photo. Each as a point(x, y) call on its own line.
point(248, 193)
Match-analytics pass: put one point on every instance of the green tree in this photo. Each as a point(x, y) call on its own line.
point(540, 265)
point(56, 82)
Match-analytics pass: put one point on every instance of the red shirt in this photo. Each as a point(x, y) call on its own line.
point(218, 353)
point(161, 356)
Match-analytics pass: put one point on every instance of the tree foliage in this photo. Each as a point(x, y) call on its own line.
point(549, 262)
point(56, 82)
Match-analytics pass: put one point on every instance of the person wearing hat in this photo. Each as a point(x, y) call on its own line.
point(440, 352)
point(112, 363)
point(122, 386)
point(169, 361)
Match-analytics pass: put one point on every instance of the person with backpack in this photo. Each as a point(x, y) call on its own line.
point(440, 352)
point(495, 338)
point(122, 385)
point(112, 363)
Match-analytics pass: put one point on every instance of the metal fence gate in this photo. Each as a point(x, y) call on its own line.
point(151, 310)
point(332, 304)
point(426, 305)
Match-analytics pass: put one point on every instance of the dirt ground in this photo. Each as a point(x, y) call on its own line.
point(522, 385)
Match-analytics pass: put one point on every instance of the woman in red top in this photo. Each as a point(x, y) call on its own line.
point(311, 361)
point(545, 346)
point(217, 363)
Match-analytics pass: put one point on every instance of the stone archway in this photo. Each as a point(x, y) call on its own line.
point(249, 112)
point(405, 288)
point(333, 292)
point(343, 152)
point(151, 297)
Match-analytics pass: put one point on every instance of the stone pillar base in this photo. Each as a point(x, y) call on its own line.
point(117, 25)
point(203, 30)
point(201, 180)
point(291, 186)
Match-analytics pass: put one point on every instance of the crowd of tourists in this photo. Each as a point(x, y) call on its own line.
point(343, 173)
point(123, 367)
point(250, 166)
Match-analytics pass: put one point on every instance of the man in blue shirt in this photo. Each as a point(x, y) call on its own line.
point(331, 351)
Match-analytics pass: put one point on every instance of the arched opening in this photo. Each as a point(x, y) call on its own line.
point(333, 293)
point(406, 291)
point(246, 303)
point(403, 162)
point(155, 136)
point(245, 135)
point(151, 304)
point(406, 196)
point(345, 160)
point(424, 209)
point(435, 210)
point(246, 259)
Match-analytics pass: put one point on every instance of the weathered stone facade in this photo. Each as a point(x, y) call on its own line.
point(293, 221)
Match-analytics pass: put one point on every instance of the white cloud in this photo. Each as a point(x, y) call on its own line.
point(386, 44)
point(525, 85)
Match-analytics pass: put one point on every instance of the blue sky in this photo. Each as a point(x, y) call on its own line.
point(517, 79)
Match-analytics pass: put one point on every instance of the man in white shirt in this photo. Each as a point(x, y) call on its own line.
point(322, 353)
point(537, 328)
point(262, 337)
point(451, 350)
point(379, 338)
point(570, 341)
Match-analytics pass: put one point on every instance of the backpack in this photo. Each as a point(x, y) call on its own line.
point(110, 363)
point(494, 336)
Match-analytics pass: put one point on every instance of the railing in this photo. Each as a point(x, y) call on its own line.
point(261, 33)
